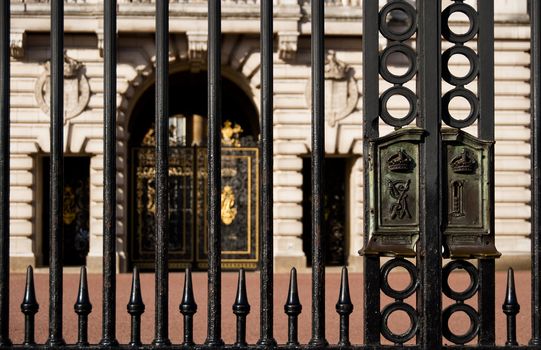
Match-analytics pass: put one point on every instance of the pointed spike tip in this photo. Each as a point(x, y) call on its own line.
point(136, 305)
point(344, 305)
point(510, 305)
point(82, 305)
point(188, 305)
point(293, 305)
point(241, 305)
point(30, 305)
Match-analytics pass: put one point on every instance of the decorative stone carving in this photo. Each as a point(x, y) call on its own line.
point(76, 88)
point(16, 44)
point(101, 42)
point(341, 92)
point(197, 46)
point(287, 45)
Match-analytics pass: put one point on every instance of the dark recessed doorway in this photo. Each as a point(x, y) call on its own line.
point(75, 215)
point(334, 211)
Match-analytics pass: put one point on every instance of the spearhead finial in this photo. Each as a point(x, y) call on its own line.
point(188, 305)
point(344, 305)
point(510, 305)
point(293, 305)
point(82, 305)
point(241, 305)
point(136, 305)
point(30, 305)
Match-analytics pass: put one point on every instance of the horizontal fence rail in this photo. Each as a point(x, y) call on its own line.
point(423, 145)
point(330, 3)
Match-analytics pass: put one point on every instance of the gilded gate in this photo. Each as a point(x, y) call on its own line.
point(187, 197)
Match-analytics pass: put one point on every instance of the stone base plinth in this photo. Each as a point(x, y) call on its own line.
point(284, 264)
point(18, 264)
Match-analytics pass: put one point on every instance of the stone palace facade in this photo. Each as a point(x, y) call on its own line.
point(83, 128)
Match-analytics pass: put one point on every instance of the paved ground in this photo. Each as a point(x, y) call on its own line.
point(229, 290)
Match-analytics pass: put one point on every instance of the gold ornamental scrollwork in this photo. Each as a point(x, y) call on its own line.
point(231, 134)
point(228, 212)
point(70, 207)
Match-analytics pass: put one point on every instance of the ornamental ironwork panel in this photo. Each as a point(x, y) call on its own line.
point(181, 206)
point(187, 207)
point(239, 208)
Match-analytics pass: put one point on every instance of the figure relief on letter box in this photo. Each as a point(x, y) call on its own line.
point(394, 193)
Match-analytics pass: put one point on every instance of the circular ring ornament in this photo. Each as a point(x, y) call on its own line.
point(403, 7)
point(474, 280)
point(384, 112)
point(472, 58)
point(474, 108)
point(384, 67)
point(386, 270)
point(472, 18)
point(474, 323)
point(409, 333)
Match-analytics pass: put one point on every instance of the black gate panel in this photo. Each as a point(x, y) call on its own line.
point(239, 208)
point(181, 206)
point(188, 198)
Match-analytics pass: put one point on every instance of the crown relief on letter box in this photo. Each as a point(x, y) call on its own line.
point(394, 193)
point(467, 229)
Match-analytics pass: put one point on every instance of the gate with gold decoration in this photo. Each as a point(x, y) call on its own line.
point(188, 202)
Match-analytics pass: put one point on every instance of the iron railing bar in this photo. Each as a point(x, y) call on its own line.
point(161, 335)
point(57, 173)
point(370, 132)
point(535, 96)
point(4, 172)
point(266, 171)
point(318, 159)
point(109, 169)
point(486, 295)
point(429, 255)
point(214, 337)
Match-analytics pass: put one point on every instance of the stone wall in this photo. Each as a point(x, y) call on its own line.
point(83, 132)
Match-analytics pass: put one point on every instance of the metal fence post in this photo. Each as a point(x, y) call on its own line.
point(57, 176)
point(161, 337)
point(318, 159)
point(4, 172)
point(109, 169)
point(429, 259)
point(487, 277)
point(535, 86)
point(214, 334)
point(266, 170)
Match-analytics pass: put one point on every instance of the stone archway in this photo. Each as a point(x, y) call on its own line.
point(188, 110)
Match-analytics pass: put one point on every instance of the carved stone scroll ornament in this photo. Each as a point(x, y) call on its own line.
point(197, 50)
point(341, 92)
point(16, 43)
point(76, 88)
point(287, 45)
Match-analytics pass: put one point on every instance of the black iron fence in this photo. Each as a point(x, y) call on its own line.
point(416, 180)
